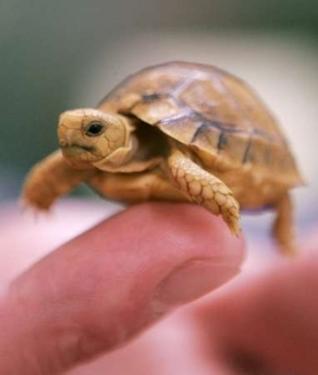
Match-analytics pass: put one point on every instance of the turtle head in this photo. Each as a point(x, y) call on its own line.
point(92, 138)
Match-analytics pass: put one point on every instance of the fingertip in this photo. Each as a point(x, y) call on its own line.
point(214, 254)
point(189, 223)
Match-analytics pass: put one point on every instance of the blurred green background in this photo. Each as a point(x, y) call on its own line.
point(51, 50)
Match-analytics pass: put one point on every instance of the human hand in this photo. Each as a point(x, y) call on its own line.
point(258, 325)
point(96, 292)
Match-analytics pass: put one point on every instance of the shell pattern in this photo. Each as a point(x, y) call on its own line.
point(210, 111)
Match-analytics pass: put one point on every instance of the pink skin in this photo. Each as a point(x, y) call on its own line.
point(98, 291)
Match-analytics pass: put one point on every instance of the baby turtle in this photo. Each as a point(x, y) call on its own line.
point(180, 132)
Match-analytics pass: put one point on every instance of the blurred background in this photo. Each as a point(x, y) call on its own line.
point(58, 55)
point(61, 55)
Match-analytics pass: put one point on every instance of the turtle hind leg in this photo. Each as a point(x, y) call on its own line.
point(204, 188)
point(283, 227)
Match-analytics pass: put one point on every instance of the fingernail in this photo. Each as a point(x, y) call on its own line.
point(193, 279)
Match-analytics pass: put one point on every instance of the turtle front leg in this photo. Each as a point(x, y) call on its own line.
point(50, 179)
point(204, 188)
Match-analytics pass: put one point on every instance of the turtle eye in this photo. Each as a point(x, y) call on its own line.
point(94, 129)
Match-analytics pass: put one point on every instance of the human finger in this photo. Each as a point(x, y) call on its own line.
point(102, 288)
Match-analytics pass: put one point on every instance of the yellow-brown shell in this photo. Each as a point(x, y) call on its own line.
point(211, 111)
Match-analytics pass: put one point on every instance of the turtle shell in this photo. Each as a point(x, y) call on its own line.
point(212, 112)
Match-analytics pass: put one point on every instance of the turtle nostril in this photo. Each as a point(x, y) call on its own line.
point(63, 143)
point(94, 129)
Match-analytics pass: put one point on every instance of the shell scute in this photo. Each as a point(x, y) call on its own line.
point(153, 112)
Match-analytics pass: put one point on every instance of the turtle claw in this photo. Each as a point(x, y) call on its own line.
point(28, 208)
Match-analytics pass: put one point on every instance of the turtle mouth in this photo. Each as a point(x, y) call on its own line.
point(77, 148)
point(79, 153)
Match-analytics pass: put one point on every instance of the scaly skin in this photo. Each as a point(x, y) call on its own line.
point(133, 188)
point(204, 188)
